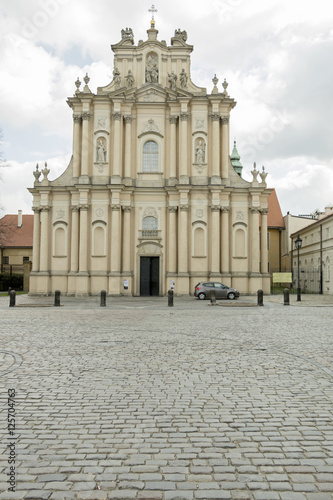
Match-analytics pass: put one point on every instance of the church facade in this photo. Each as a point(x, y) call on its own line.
point(151, 197)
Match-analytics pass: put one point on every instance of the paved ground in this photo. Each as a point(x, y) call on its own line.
point(141, 401)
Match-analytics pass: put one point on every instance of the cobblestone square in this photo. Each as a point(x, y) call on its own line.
point(142, 401)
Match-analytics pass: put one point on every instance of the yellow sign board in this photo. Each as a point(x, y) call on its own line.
point(282, 277)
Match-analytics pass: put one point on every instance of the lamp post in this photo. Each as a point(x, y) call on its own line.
point(298, 244)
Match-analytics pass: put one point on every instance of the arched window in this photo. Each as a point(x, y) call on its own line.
point(59, 242)
point(150, 157)
point(149, 226)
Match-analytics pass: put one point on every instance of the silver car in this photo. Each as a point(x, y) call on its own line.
point(202, 290)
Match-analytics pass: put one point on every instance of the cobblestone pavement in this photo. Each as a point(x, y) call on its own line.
point(142, 401)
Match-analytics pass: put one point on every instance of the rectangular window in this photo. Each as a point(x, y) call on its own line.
point(5, 260)
point(25, 259)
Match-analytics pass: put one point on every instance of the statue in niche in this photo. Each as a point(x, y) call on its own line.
point(183, 79)
point(172, 80)
point(200, 152)
point(117, 78)
point(152, 69)
point(101, 152)
point(129, 79)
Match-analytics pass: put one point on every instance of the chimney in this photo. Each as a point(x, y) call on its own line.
point(19, 218)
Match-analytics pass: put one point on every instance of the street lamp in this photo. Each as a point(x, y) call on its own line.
point(298, 244)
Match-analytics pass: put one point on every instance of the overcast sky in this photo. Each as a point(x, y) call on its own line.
point(276, 56)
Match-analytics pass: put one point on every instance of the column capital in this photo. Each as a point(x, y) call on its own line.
point(225, 210)
point(215, 208)
point(215, 117)
point(184, 117)
point(115, 208)
point(255, 210)
point(83, 207)
point(86, 116)
point(172, 210)
point(264, 211)
point(173, 119)
point(77, 118)
point(225, 120)
point(128, 119)
point(45, 209)
point(183, 208)
point(75, 208)
point(116, 116)
point(125, 209)
point(36, 210)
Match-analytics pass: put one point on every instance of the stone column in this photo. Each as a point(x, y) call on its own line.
point(225, 147)
point(255, 240)
point(85, 148)
point(36, 240)
point(215, 240)
point(172, 240)
point(182, 239)
point(128, 136)
point(83, 250)
point(116, 167)
point(115, 239)
point(183, 173)
point(44, 239)
point(75, 240)
point(216, 145)
point(173, 147)
point(126, 246)
point(263, 241)
point(76, 145)
point(225, 261)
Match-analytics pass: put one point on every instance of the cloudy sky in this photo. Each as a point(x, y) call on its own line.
point(276, 57)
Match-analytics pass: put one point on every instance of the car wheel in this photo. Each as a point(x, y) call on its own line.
point(231, 296)
point(201, 296)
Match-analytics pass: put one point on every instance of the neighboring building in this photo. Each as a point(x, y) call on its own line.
point(315, 255)
point(150, 196)
point(276, 227)
point(293, 223)
point(16, 234)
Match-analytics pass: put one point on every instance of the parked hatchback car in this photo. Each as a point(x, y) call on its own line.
point(202, 290)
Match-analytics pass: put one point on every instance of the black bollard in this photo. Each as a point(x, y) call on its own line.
point(260, 298)
point(57, 298)
point(170, 298)
point(103, 298)
point(286, 301)
point(212, 297)
point(12, 298)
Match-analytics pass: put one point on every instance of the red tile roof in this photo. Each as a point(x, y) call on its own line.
point(274, 217)
point(13, 236)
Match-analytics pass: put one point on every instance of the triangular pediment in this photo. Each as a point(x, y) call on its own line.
point(151, 93)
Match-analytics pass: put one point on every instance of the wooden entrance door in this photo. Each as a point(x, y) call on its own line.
point(149, 276)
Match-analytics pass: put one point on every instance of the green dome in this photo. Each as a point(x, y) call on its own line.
point(235, 157)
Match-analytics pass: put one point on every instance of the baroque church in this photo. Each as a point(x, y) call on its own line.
point(151, 198)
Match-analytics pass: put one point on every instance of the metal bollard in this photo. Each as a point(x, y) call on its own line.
point(170, 298)
point(57, 298)
point(12, 298)
point(103, 298)
point(286, 300)
point(212, 297)
point(260, 298)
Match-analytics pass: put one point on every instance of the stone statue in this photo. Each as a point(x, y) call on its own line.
point(129, 79)
point(101, 152)
point(172, 80)
point(200, 152)
point(183, 79)
point(181, 34)
point(117, 77)
point(127, 33)
point(254, 172)
point(152, 69)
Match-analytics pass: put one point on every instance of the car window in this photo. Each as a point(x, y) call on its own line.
point(218, 285)
point(208, 284)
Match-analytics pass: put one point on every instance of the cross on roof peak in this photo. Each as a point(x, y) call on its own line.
point(152, 10)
